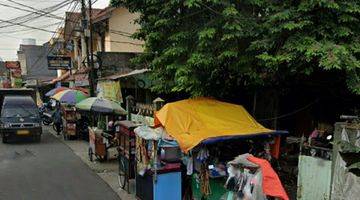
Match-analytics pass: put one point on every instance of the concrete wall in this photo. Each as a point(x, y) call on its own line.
point(122, 20)
point(22, 60)
point(115, 62)
point(35, 59)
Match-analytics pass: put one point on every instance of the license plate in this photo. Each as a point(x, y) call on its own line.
point(22, 132)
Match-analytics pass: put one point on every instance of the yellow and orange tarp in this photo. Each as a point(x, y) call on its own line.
point(192, 121)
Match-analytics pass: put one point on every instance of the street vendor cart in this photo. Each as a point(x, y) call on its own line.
point(102, 145)
point(126, 152)
point(158, 166)
point(69, 122)
point(211, 133)
point(102, 140)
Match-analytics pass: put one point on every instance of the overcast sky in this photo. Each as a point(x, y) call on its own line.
point(10, 36)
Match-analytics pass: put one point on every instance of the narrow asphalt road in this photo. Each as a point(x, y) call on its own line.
point(47, 170)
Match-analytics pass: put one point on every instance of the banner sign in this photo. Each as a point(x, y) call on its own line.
point(110, 90)
point(59, 62)
point(81, 80)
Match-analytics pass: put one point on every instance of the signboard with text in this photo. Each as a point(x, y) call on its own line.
point(59, 62)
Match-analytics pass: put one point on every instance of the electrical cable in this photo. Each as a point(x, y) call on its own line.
point(34, 15)
point(51, 48)
point(27, 29)
point(291, 113)
point(37, 10)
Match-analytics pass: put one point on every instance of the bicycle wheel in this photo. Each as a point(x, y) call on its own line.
point(122, 174)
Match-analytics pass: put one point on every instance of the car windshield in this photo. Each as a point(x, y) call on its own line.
point(20, 111)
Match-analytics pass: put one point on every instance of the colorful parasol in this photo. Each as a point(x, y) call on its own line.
point(59, 89)
point(101, 105)
point(70, 97)
point(55, 90)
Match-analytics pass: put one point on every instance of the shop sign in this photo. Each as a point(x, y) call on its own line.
point(59, 62)
point(81, 80)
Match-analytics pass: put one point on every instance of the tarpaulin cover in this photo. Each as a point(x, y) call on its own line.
point(271, 183)
point(193, 120)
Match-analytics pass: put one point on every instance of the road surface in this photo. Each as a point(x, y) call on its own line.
point(47, 170)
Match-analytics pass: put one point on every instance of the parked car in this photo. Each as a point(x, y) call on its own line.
point(19, 116)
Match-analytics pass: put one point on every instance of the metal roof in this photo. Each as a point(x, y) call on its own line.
point(123, 75)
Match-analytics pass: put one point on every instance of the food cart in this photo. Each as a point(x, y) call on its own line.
point(101, 145)
point(102, 140)
point(211, 133)
point(158, 164)
point(126, 152)
point(69, 122)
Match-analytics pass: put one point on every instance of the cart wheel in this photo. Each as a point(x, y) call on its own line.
point(90, 154)
point(122, 175)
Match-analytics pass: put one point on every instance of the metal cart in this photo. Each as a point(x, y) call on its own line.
point(126, 152)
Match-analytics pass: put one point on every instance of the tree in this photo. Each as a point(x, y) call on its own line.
point(211, 47)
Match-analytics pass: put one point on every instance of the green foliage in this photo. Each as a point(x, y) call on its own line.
point(211, 47)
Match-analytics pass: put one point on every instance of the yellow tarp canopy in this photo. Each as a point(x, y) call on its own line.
point(192, 121)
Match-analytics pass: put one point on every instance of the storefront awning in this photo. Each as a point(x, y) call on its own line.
point(193, 121)
point(123, 75)
point(61, 78)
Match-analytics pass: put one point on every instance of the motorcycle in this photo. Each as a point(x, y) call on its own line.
point(45, 115)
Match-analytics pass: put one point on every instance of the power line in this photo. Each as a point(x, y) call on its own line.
point(37, 10)
point(30, 27)
point(35, 15)
point(51, 48)
point(27, 29)
point(26, 10)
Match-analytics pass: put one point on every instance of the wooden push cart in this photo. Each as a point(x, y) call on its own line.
point(101, 145)
point(69, 123)
point(126, 152)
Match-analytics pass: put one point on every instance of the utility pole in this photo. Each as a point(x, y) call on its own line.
point(87, 31)
point(91, 73)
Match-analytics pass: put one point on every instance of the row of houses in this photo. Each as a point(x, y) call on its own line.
point(113, 47)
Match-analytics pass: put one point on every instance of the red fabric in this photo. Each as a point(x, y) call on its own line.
point(271, 183)
point(275, 148)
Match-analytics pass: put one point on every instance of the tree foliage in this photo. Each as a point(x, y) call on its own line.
point(211, 47)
